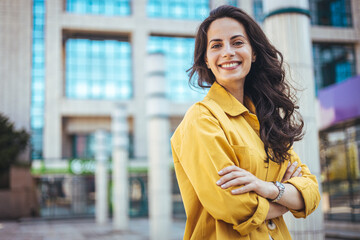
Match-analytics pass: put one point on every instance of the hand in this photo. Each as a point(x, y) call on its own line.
point(291, 172)
point(233, 176)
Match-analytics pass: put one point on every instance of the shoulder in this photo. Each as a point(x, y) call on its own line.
point(197, 117)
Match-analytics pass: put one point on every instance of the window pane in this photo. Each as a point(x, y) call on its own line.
point(95, 69)
point(38, 79)
point(99, 7)
point(333, 63)
point(331, 12)
point(178, 9)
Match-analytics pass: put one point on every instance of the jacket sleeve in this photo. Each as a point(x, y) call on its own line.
point(308, 187)
point(203, 150)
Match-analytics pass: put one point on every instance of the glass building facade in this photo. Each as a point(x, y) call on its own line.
point(233, 3)
point(38, 79)
point(178, 58)
point(258, 10)
point(98, 69)
point(99, 7)
point(178, 9)
point(333, 63)
point(335, 13)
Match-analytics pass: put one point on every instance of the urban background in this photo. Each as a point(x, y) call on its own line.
point(67, 65)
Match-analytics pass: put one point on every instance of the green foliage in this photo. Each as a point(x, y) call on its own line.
point(12, 142)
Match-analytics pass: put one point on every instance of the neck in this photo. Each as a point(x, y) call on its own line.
point(237, 90)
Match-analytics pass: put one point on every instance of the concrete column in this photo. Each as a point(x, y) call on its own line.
point(53, 82)
point(287, 24)
point(139, 38)
point(120, 157)
point(216, 3)
point(15, 67)
point(101, 178)
point(357, 54)
point(158, 149)
point(247, 6)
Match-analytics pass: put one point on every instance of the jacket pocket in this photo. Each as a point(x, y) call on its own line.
point(245, 157)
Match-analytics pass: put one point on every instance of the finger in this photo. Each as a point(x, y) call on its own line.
point(296, 173)
point(235, 182)
point(289, 171)
point(244, 189)
point(228, 177)
point(228, 169)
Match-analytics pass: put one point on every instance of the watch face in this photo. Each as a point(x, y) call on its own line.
point(280, 185)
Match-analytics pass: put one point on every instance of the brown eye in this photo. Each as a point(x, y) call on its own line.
point(238, 43)
point(216, 46)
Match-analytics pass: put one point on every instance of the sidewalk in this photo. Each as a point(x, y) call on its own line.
point(87, 229)
point(80, 229)
point(342, 230)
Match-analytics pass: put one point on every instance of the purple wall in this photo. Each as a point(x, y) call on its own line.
point(340, 102)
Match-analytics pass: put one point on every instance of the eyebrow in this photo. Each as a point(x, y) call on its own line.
point(218, 39)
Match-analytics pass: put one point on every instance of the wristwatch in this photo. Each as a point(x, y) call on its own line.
point(281, 188)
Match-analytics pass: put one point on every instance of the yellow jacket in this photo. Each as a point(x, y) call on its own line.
point(219, 132)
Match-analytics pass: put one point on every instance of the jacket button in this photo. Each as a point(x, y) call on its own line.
point(271, 225)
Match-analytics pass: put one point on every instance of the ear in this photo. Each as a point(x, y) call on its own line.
point(206, 61)
point(253, 59)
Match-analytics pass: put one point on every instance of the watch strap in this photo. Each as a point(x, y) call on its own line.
point(281, 188)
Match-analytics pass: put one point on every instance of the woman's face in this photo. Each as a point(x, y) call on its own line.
point(229, 54)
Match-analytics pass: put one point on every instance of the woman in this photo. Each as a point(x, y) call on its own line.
point(233, 153)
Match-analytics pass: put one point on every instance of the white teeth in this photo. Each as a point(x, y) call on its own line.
point(228, 65)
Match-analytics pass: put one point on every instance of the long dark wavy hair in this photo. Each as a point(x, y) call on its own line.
point(274, 99)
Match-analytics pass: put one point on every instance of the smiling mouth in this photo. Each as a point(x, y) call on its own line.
point(230, 65)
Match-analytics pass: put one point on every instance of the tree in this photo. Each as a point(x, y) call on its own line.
point(12, 142)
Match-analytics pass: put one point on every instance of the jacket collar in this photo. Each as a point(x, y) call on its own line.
point(228, 102)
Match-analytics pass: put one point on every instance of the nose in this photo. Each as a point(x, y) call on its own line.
point(228, 51)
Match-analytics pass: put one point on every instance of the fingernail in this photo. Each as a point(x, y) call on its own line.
point(233, 191)
point(223, 186)
point(296, 163)
point(218, 182)
point(220, 172)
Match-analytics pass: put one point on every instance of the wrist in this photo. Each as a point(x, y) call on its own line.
point(281, 189)
point(273, 191)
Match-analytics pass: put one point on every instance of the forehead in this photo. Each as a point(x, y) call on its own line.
point(225, 27)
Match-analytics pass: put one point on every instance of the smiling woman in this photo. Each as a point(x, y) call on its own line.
point(229, 55)
point(232, 152)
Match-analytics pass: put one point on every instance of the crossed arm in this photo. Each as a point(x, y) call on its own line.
point(233, 176)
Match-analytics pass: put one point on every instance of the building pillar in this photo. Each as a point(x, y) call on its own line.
point(52, 137)
point(287, 24)
point(247, 6)
point(216, 3)
point(120, 156)
point(101, 178)
point(158, 149)
point(139, 38)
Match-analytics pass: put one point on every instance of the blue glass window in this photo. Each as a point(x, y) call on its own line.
point(99, 7)
point(258, 10)
point(178, 9)
point(98, 69)
point(333, 63)
point(232, 2)
point(179, 57)
point(331, 12)
point(38, 79)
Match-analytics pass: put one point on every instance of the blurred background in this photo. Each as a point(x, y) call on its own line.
point(65, 65)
